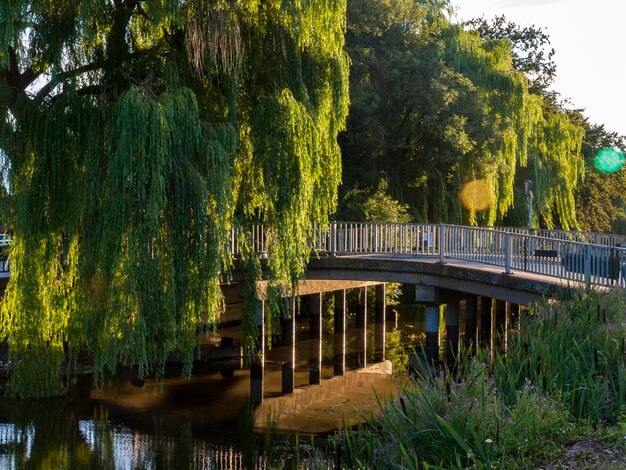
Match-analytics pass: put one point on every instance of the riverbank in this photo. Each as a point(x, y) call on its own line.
point(555, 399)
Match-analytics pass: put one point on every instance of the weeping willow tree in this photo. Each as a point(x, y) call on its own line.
point(436, 106)
point(135, 136)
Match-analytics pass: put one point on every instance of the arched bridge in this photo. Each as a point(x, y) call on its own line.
point(515, 264)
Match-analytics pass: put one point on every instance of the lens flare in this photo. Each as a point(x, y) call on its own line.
point(609, 160)
point(476, 195)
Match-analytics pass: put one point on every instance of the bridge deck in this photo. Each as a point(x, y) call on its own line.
point(459, 275)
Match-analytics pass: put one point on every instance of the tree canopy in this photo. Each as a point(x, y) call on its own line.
point(436, 105)
point(135, 136)
point(602, 196)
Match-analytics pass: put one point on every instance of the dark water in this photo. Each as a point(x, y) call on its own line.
point(202, 422)
point(157, 426)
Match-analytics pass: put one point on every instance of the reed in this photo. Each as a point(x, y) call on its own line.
point(562, 376)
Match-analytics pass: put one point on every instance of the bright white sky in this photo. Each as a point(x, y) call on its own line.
point(589, 38)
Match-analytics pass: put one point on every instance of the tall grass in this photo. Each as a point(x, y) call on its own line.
point(563, 372)
point(572, 350)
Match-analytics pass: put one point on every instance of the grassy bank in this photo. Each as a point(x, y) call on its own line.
point(557, 399)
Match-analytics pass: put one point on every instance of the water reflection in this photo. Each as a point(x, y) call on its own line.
point(76, 434)
point(203, 422)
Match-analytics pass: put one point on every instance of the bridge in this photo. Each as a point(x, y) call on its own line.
point(582, 259)
point(542, 259)
point(488, 275)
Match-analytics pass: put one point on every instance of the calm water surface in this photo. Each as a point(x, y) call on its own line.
point(202, 422)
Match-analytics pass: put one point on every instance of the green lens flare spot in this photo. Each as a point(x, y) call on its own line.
point(609, 160)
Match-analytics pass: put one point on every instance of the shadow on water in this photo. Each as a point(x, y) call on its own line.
point(177, 423)
point(79, 432)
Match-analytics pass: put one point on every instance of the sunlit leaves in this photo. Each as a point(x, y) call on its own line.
point(166, 125)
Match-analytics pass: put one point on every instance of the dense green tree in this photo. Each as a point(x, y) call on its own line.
point(136, 134)
point(435, 106)
point(531, 52)
point(601, 197)
point(376, 206)
point(554, 158)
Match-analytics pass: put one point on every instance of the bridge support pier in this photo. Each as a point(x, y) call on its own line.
point(361, 327)
point(315, 338)
point(257, 361)
point(288, 323)
point(380, 323)
point(471, 308)
point(339, 340)
point(485, 321)
point(515, 311)
point(452, 328)
point(432, 334)
point(501, 327)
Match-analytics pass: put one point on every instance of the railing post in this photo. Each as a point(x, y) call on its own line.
point(588, 267)
point(332, 238)
point(507, 252)
point(376, 226)
point(441, 243)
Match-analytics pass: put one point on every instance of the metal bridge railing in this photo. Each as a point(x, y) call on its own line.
point(588, 258)
point(594, 238)
point(554, 255)
point(591, 264)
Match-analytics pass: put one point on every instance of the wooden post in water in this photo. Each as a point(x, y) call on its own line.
point(361, 327)
point(288, 323)
point(339, 341)
point(452, 328)
point(471, 323)
point(432, 334)
point(257, 361)
point(380, 323)
point(315, 338)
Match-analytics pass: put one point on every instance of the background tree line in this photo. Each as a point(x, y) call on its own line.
point(136, 135)
point(436, 104)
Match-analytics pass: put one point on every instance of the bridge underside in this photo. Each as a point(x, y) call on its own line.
point(518, 288)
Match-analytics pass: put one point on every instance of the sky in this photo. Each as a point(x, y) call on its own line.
point(589, 38)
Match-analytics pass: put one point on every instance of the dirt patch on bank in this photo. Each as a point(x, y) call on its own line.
point(590, 453)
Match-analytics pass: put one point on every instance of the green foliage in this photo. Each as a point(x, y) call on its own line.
point(435, 106)
point(395, 351)
point(372, 205)
point(572, 350)
point(458, 423)
point(602, 195)
point(135, 136)
point(382, 208)
point(563, 372)
point(531, 48)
